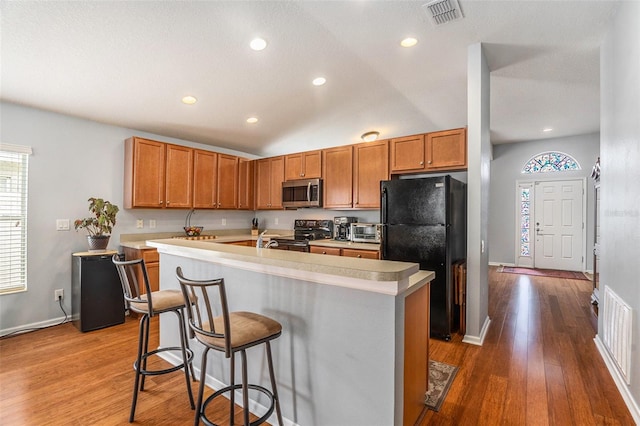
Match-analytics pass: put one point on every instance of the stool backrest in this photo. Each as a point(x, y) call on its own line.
point(130, 271)
point(206, 301)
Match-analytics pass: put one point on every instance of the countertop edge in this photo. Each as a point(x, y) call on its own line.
point(379, 276)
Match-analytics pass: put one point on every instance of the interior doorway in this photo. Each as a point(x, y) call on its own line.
point(551, 216)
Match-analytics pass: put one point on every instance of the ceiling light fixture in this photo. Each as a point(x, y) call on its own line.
point(547, 129)
point(409, 42)
point(370, 136)
point(258, 43)
point(189, 100)
point(319, 81)
point(252, 120)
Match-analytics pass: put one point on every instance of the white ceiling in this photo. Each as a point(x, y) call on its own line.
point(129, 63)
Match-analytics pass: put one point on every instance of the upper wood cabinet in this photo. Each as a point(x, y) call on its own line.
point(445, 150)
point(157, 175)
point(269, 176)
point(370, 166)
point(407, 154)
point(303, 165)
point(337, 172)
point(205, 166)
point(179, 177)
point(227, 181)
point(246, 200)
point(215, 180)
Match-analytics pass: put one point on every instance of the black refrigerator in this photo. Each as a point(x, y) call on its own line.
point(425, 221)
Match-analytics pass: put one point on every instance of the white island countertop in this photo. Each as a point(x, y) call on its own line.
point(378, 276)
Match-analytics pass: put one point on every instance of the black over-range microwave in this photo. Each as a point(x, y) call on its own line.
point(302, 193)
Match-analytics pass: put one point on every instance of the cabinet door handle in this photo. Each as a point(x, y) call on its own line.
point(422, 163)
point(429, 161)
point(359, 255)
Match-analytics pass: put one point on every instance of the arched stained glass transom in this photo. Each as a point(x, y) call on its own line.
point(551, 161)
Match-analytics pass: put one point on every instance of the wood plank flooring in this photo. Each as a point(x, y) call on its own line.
point(59, 376)
point(538, 366)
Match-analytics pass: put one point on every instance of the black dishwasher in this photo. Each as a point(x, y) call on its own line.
point(96, 292)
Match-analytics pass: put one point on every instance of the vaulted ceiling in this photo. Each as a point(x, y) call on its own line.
point(129, 63)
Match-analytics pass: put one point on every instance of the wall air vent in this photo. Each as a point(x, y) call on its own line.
point(443, 11)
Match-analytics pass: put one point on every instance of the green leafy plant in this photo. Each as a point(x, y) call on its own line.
point(103, 219)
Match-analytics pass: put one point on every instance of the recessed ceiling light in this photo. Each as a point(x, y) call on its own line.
point(189, 100)
point(258, 43)
point(409, 42)
point(547, 129)
point(319, 81)
point(252, 120)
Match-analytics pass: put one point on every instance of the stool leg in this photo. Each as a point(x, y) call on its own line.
point(143, 367)
point(138, 365)
point(203, 375)
point(185, 357)
point(232, 382)
point(245, 388)
point(274, 389)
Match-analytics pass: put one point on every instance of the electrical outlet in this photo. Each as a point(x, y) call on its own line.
point(275, 221)
point(152, 223)
point(58, 294)
point(224, 221)
point(139, 223)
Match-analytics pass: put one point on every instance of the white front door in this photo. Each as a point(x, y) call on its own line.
point(558, 225)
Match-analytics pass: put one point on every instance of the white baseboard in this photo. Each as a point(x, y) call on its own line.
point(478, 340)
point(34, 326)
point(513, 265)
point(622, 386)
point(215, 384)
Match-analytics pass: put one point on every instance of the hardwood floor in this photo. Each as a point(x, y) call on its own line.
point(538, 366)
point(59, 376)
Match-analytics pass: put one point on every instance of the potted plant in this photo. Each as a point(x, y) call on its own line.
point(100, 224)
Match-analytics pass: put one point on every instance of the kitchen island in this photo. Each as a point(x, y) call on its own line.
point(354, 345)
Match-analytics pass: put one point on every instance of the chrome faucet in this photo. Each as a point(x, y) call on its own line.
point(271, 243)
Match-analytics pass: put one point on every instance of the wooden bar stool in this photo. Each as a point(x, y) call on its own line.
point(229, 332)
point(159, 303)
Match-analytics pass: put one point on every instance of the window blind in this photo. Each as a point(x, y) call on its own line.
point(14, 162)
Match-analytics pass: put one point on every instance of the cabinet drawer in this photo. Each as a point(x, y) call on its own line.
point(150, 256)
point(325, 250)
point(364, 254)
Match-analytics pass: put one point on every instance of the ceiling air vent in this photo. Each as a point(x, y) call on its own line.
point(443, 11)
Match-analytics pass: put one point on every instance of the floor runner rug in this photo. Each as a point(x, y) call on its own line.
point(441, 376)
point(544, 273)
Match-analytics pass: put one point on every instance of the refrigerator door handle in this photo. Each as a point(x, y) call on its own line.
point(383, 220)
point(383, 206)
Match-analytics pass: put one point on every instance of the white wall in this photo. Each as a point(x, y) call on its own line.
point(620, 179)
point(506, 168)
point(74, 159)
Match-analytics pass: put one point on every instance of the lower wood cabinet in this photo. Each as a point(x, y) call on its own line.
point(364, 254)
point(334, 251)
point(151, 261)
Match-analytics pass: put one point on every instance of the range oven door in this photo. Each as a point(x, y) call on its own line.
point(302, 193)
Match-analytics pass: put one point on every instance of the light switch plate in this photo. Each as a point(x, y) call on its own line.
point(139, 223)
point(62, 224)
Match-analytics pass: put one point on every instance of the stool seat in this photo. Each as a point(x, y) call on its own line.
point(246, 328)
point(161, 301)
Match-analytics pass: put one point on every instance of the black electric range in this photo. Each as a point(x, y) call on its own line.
point(305, 230)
